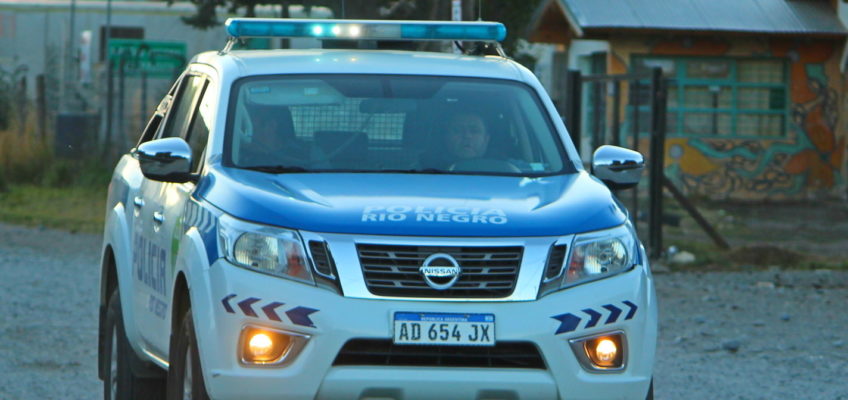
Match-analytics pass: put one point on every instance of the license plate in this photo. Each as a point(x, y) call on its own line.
point(444, 329)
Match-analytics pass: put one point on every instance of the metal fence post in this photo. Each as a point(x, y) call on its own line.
point(658, 106)
point(119, 141)
point(574, 91)
point(143, 114)
point(616, 112)
point(597, 135)
point(634, 126)
point(41, 108)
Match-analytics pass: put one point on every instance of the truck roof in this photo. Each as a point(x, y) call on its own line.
point(312, 61)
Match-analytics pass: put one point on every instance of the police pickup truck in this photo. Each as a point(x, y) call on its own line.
point(363, 223)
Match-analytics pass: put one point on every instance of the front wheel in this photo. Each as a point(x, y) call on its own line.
point(185, 376)
point(120, 383)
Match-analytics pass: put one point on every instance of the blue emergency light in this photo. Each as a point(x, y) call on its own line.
point(365, 29)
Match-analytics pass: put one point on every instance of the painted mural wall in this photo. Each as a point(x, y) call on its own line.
point(807, 162)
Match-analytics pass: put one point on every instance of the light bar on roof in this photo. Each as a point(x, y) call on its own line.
point(365, 29)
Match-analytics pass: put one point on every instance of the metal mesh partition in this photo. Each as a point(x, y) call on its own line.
point(346, 116)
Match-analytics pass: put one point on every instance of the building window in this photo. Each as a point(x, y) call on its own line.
point(724, 97)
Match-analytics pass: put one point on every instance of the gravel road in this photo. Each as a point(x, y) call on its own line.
point(768, 334)
point(49, 287)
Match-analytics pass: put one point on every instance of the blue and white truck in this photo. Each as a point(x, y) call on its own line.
point(359, 222)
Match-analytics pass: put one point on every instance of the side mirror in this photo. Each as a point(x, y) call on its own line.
point(618, 167)
point(165, 160)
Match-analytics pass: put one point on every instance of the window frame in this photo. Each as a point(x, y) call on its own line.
point(681, 81)
point(175, 101)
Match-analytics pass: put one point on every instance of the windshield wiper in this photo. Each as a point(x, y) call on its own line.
point(414, 171)
point(276, 169)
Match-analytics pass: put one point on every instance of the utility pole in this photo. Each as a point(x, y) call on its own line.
point(69, 60)
point(107, 135)
point(456, 15)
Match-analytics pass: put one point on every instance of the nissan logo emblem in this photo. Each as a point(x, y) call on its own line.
point(440, 271)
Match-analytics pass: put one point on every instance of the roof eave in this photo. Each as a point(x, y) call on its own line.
point(592, 32)
point(569, 16)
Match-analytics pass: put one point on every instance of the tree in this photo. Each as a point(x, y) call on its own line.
point(515, 14)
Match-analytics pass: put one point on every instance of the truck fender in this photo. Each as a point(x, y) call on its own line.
point(193, 263)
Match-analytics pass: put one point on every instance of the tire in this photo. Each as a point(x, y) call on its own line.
point(120, 383)
point(185, 375)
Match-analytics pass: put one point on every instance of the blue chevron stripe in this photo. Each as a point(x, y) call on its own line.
point(569, 322)
point(614, 313)
point(595, 317)
point(632, 311)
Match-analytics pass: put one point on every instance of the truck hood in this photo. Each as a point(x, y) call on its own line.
point(415, 204)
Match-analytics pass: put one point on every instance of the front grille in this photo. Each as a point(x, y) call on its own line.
point(555, 261)
point(384, 352)
point(487, 272)
point(321, 258)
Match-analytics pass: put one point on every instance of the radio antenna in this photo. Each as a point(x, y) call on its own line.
point(343, 9)
point(479, 10)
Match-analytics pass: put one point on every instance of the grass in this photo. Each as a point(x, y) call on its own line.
point(40, 190)
point(74, 208)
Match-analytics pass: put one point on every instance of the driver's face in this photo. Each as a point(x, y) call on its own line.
point(467, 137)
point(266, 135)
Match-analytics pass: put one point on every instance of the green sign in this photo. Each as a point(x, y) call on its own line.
point(156, 59)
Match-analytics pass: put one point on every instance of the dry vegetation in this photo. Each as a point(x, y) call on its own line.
point(37, 189)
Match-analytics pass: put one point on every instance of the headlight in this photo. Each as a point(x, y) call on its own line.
point(271, 250)
point(601, 253)
point(593, 256)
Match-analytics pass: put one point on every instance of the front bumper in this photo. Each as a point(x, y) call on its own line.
point(238, 297)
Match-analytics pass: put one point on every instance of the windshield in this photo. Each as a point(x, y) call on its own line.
point(371, 123)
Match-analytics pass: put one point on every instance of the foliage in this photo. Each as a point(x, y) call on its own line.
point(38, 189)
point(11, 93)
point(27, 159)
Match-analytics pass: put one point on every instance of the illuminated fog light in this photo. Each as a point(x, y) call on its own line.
point(354, 31)
point(336, 30)
point(260, 345)
point(601, 353)
point(606, 351)
point(317, 30)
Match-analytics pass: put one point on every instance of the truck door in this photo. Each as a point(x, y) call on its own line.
point(160, 223)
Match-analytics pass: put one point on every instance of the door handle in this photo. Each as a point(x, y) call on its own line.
point(158, 218)
point(138, 202)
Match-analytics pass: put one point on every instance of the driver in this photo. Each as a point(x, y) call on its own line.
point(466, 137)
point(273, 141)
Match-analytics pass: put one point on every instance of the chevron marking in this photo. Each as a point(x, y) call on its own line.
point(269, 311)
point(595, 317)
point(632, 311)
point(300, 316)
point(568, 323)
point(226, 302)
point(245, 306)
point(614, 313)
